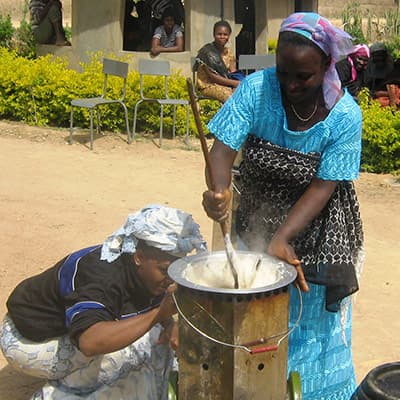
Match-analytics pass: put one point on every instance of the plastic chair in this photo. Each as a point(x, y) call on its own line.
point(254, 62)
point(158, 68)
point(110, 68)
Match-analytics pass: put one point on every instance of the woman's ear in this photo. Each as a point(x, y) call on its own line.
point(138, 257)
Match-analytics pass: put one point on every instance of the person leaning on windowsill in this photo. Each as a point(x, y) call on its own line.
point(168, 37)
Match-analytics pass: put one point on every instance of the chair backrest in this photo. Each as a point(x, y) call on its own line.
point(115, 68)
point(256, 61)
point(194, 72)
point(154, 67)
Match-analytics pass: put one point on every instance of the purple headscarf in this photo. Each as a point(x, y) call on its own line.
point(333, 41)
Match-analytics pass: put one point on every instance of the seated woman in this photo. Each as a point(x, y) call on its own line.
point(167, 37)
point(46, 20)
point(351, 70)
point(216, 63)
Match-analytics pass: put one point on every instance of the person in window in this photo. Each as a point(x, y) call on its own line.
point(46, 20)
point(215, 62)
point(351, 70)
point(98, 324)
point(168, 37)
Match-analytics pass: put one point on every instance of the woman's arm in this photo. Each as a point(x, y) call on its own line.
point(232, 64)
point(109, 336)
point(310, 204)
point(156, 47)
point(218, 79)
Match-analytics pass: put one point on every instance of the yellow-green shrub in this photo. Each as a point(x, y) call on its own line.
point(39, 92)
point(381, 136)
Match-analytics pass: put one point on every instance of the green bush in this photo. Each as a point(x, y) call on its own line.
point(6, 31)
point(39, 92)
point(381, 136)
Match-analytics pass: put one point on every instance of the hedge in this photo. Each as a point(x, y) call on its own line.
point(39, 92)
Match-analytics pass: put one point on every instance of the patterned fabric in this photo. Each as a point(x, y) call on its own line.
point(137, 372)
point(272, 180)
point(221, 64)
point(166, 228)
point(317, 349)
point(332, 41)
point(256, 107)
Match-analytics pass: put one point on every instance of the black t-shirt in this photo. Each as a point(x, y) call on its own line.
point(77, 292)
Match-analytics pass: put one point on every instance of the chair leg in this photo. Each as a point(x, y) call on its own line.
point(91, 128)
point(126, 121)
point(71, 124)
point(134, 121)
point(187, 125)
point(161, 123)
point(98, 130)
point(173, 123)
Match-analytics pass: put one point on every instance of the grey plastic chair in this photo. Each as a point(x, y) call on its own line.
point(158, 68)
point(254, 62)
point(110, 68)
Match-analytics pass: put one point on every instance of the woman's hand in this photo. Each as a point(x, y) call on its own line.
point(217, 204)
point(280, 248)
point(170, 335)
point(167, 306)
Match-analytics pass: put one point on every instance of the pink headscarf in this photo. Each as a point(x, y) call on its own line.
point(361, 50)
point(334, 42)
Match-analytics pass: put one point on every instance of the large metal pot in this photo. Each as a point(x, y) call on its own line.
point(178, 271)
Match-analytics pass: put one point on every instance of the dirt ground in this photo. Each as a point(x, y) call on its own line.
point(56, 198)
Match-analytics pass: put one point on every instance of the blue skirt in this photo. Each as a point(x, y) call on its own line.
point(317, 349)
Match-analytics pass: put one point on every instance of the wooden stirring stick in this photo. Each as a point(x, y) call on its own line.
point(230, 251)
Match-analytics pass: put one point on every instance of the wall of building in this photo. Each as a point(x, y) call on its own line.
point(97, 26)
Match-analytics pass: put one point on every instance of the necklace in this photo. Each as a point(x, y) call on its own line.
point(301, 118)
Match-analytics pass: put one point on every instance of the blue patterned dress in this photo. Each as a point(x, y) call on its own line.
point(320, 347)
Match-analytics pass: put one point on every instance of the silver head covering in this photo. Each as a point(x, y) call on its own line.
point(168, 229)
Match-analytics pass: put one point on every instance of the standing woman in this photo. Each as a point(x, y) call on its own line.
point(216, 63)
point(301, 140)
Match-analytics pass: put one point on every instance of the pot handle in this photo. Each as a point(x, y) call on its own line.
point(264, 349)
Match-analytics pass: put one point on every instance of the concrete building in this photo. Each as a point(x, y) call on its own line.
point(97, 25)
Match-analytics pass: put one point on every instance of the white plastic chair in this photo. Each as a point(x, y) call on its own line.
point(110, 68)
point(254, 62)
point(158, 68)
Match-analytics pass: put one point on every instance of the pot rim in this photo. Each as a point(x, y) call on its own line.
point(175, 272)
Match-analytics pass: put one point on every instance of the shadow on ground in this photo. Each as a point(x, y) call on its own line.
point(17, 386)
